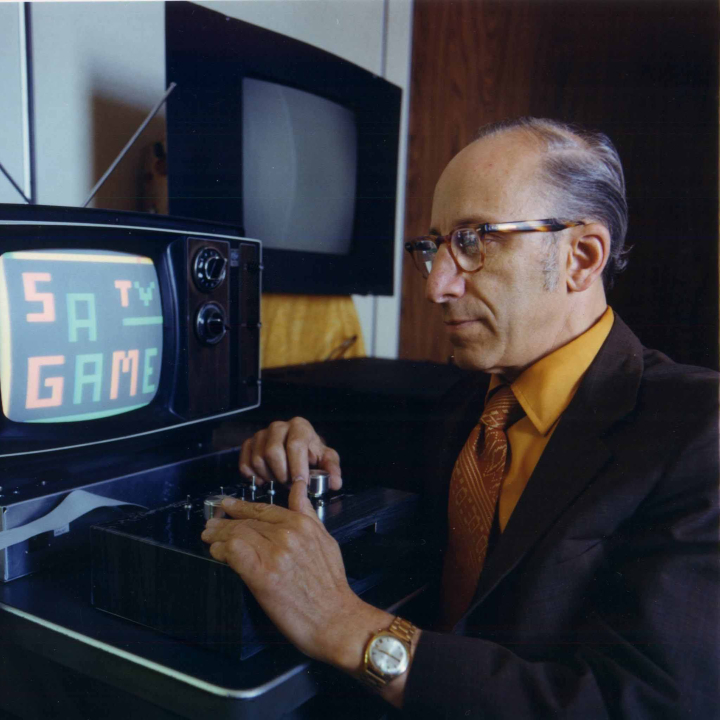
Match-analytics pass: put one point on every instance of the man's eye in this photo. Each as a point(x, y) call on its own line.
point(426, 245)
point(467, 241)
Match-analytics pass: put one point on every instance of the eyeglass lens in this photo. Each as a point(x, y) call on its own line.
point(467, 248)
point(424, 252)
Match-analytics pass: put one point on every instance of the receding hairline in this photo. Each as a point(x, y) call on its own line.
point(533, 151)
point(539, 132)
point(531, 142)
point(549, 140)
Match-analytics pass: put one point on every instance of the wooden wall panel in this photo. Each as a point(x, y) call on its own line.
point(643, 71)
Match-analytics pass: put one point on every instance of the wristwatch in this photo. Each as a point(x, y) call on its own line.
point(387, 654)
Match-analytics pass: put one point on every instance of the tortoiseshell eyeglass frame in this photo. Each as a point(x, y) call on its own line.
point(547, 225)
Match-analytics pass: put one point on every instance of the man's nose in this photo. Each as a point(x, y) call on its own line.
point(445, 281)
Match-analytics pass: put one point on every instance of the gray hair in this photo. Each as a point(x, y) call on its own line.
point(584, 172)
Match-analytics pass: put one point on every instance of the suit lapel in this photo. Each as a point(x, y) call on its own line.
point(574, 455)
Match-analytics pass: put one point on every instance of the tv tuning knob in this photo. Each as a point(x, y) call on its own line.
point(209, 269)
point(210, 323)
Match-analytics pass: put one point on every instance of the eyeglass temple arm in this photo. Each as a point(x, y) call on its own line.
point(547, 225)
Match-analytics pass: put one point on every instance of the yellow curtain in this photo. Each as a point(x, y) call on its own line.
point(308, 328)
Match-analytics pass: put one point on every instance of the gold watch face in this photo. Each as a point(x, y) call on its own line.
point(388, 655)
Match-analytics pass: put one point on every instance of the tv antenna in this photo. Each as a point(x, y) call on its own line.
point(130, 143)
point(14, 184)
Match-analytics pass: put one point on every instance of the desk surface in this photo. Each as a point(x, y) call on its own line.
point(49, 614)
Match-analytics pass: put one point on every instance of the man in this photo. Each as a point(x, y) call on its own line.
point(581, 573)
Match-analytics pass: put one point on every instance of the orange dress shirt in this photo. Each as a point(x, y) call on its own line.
point(544, 390)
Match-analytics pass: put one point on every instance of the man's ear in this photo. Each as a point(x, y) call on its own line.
point(588, 254)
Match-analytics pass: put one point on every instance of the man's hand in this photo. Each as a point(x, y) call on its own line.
point(294, 569)
point(284, 452)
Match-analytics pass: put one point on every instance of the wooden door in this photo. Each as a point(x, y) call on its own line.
point(643, 71)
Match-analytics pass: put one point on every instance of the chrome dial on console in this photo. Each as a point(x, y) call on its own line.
point(319, 483)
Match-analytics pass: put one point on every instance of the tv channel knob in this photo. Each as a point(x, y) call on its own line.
point(209, 269)
point(210, 323)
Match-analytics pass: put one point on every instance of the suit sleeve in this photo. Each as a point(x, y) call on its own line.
point(646, 640)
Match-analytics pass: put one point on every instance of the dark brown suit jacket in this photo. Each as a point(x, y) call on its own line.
point(600, 599)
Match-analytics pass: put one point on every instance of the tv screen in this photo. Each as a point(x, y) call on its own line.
point(295, 145)
point(82, 334)
point(115, 326)
point(299, 169)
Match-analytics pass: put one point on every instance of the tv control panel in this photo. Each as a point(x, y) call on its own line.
point(219, 325)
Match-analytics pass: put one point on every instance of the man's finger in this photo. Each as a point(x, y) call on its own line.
point(245, 455)
point(219, 551)
point(330, 461)
point(229, 530)
point(242, 554)
point(298, 443)
point(219, 529)
point(244, 510)
point(299, 500)
point(257, 457)
point(275, 455)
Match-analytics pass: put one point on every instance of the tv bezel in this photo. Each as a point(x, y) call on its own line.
point(207, 55)
point(34, 227)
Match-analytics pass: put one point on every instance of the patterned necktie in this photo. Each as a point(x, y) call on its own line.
point(474, 490)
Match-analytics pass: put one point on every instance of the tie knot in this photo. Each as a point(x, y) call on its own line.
point(499, 409)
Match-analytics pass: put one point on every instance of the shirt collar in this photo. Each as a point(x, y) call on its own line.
point(546, 388)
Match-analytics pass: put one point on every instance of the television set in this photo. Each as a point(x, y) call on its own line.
point(119, 327)
point(292, 143)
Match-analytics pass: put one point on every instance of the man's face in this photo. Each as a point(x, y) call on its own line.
point(502, 318)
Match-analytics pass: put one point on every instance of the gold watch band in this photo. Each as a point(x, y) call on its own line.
point(403, 629)
point(373, 679)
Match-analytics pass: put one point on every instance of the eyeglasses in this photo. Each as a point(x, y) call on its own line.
point(467, 245)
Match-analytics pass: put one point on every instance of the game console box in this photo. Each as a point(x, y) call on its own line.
point(153, 568)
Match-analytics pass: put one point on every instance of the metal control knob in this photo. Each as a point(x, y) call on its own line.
point(212, 507)
point(319, 483)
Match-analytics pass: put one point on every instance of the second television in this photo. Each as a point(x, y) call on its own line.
point(297, 146)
